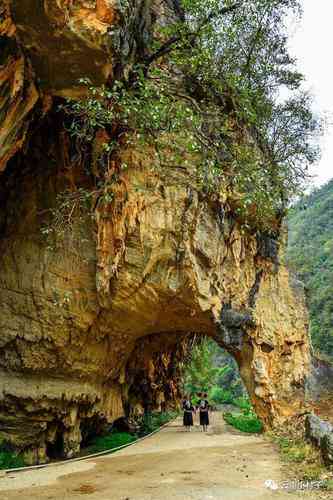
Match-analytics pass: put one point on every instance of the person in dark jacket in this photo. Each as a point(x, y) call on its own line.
point(188, 413)
point(203, 408)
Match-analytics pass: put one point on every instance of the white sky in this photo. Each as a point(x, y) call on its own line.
point(312, 44)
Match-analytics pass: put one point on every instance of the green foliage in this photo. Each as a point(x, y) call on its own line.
point(212, 370)
point(240, 60)
point(90, 113)
point(218, 395)
point(9, 459)
point(147, 424)
point(67, 218)
point(110, 441)
point(143, 113)
point(215, 105)
point(303, 459)
point(202, 374)
point(243, 403)
point(292, 450)
point(146, 113)
point(153, 421)
point(310, 256)
point(328, 485)
point(246, 422)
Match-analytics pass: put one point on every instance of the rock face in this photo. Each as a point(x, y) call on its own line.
point(94, 322)
point(18, 91)
point(320, 379)
point(63, 32)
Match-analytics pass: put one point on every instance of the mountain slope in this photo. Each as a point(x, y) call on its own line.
point(310, 254)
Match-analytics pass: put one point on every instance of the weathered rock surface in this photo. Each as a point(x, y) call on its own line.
point(17, 89)
point(72, 316)
point(93, 323)
point(320, 379)
point(65, 39)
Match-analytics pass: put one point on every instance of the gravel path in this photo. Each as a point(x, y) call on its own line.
point(173, 464)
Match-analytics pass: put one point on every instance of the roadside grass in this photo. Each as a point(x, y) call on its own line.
point(111, 441)
point(9, 459)
point(146, 425)
point(302, 460)
point(295, 450)
point(153, 421)
point(247, 421)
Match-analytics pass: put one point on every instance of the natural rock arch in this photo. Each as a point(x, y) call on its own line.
point(82, 325)
point(85, 317)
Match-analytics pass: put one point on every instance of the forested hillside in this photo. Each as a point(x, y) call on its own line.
point(310, 254)
point(212, 370)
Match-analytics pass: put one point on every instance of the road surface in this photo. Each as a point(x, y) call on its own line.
point(221, 464)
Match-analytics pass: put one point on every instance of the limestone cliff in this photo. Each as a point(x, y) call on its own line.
point(18, 91)
point(94, 322)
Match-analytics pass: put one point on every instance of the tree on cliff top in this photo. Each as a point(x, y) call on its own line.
point(239, 50)
point(212, 80)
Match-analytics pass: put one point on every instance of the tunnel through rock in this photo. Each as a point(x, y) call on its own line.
point(95, 320)
point(95, 316)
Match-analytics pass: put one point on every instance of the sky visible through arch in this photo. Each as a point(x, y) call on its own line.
point(312, 43)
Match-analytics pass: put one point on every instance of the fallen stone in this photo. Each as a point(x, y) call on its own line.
point(320, 433)
point(326, 446)
point(316, 429)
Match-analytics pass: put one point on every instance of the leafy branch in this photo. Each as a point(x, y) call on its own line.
point(188, 37)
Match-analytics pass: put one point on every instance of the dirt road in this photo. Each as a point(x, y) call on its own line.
point(222, 464)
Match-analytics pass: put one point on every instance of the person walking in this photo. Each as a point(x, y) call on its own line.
point(188, 414)
point(204, 412)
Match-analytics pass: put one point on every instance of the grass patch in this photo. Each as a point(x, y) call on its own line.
point(295, 450)
point(301, 459)
point(328, 485)
point(153, 421)
point(9, 459)
point(243, 403)
point(111, 441)
point(245, 422)
point(147, 424)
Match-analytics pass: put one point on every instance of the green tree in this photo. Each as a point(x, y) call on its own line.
point(202, 373)
point(212, 81)
point(209, 371)
point(236, 61)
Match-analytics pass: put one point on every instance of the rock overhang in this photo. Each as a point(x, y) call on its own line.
point(67, 41)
